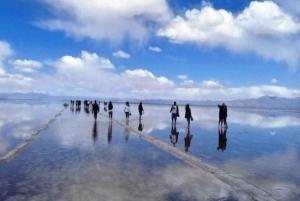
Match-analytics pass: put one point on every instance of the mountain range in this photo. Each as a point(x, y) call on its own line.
point(262, 102)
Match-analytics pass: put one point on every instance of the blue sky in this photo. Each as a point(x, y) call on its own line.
point(193, 50)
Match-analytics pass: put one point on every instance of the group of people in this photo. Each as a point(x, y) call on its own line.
point(174, 112)
point(222, 115)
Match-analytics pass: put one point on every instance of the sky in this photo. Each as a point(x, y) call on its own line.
point(154, 49)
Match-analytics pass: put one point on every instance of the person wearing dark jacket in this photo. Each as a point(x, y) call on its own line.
point(141, 109)
point(95, 109)
point(110, 110)
point(188, 114)
point(222, 114)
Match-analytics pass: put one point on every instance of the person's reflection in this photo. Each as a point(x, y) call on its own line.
point(222, 139)
point(187, 140)
point(174, 135)
point(141, 126)
point(126, 134)
point(72, 108)
point(95, 132)
point(77, 110)
point(109, 132)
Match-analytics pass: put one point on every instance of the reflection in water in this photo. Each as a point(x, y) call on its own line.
point(126, 134)
point(187, 140)
point(109, 132)
point(95, 132)
point(174, 135)
point(141, 126)
point(222, 138)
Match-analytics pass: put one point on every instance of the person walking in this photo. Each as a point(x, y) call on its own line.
point(175, 112)
point(110, 110)
point(141, 109)
point(188, 114)
point(95, 109)
point(127, 110)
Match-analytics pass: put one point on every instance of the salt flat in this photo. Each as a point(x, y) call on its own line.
point(77, 158)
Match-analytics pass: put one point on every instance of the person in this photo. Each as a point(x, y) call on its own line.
point(187, 140)
point(222, 139)
point(127, 110)
point(95, 109)
point(174, 135)
point(188, 114)
point(222, 114)
point(110, 110)
point(141, 109)
point(175, 112)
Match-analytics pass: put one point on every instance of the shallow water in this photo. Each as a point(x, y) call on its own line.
point(77, 158)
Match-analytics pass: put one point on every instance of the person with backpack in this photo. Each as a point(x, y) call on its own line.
point(175, 112)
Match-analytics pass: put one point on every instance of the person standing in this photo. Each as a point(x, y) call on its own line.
point(95, 109)
point(110, 110)
point(188, 114)
point(175, 112)
point(141, 109)
point(127, 110)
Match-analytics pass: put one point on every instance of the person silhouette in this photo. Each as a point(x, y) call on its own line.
point(141, 109)
point(188, 114)
point(174, 135)
point(110, 110)
point(175, 112)
point(95, 109)
point(222, 114)
point(95, 132)
point(222, 139)
point(187, 140)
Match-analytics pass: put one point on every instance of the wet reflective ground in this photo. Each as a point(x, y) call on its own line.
point(77, 158)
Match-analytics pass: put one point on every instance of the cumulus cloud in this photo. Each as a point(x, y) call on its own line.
point(211, 84)
point(182, 77)
point(121, 54)
point(274, 80)
point(28, 66)
point(106, 20)
point(5, 51)
point(155, 49)
point(262, 28)
point(187, 83)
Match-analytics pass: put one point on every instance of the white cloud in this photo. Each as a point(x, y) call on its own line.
point(274, 80)
point(28, 66)
point(212, 84)
point(5, 51)
point(262, 28)
point(182, 77)
point(106, 20)
point(155, 49)
point(121, 54)
point(187, 83)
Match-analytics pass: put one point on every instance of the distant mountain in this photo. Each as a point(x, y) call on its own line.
point(262, 102)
